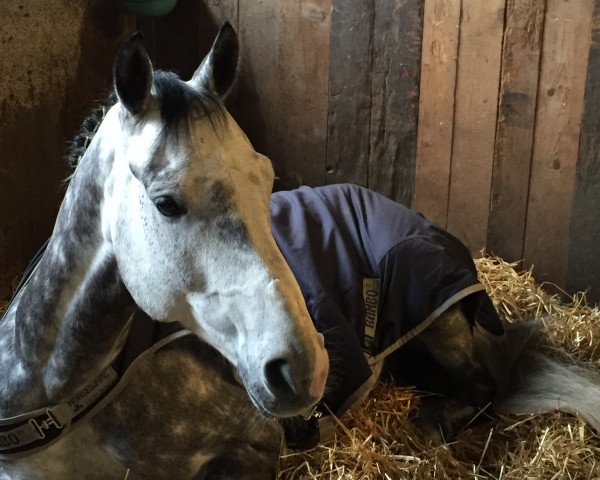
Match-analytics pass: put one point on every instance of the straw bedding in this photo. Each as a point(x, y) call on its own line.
point(376, 441)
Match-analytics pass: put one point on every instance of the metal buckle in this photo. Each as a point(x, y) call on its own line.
point(45, 424)
point(314, 412)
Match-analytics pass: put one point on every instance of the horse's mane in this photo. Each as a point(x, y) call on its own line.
point(176, 99)
point(80, 142)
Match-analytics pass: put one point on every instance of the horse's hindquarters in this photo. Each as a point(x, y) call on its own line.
point(183, 414)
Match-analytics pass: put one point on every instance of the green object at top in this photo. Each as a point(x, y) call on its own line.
point(149, 8)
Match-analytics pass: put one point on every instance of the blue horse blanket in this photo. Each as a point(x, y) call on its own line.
point(373, 274)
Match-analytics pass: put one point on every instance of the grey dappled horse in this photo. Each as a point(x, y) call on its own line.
point(167, 212)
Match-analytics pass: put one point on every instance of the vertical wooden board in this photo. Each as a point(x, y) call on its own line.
point(480, 48)
point(397, 38)
point(179, 40)
point(436, 107)
point(584, 260)
point(514, 130)
point(556, 140)
point(284, 85)
point(349, 114)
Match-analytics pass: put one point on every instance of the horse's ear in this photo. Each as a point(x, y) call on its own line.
point(217, 71)
point(133, 75)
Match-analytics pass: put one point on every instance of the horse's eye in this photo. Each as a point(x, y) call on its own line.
point(169, 207)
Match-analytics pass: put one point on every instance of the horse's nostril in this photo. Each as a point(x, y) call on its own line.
point(280, 377)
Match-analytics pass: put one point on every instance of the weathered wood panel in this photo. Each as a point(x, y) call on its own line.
point(284, 86)
point(349, 118)
point(515, 127)
point(556, 140)
point(480, 47)
point(397, 34)
point(441, 21)
point(55, 58)
point(584, 253)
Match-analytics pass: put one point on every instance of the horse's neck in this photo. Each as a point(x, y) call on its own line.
point(74, 311)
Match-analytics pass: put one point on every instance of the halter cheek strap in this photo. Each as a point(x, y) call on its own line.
point(33, 430)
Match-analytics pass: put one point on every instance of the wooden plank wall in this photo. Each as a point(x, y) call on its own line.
point(475, 109)
point(350, 100)
point(374, 71)
point(436, 117)
point(55, 62)
point(468, 110)
point(397, 34)
point(556, 139)
point(583, 268)
point(509, 170)
point(284, 95)
point(514, 129)
point(329, 89)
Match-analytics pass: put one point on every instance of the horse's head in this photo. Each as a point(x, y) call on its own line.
point(187, 214)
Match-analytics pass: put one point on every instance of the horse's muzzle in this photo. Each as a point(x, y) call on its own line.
point(288, 387)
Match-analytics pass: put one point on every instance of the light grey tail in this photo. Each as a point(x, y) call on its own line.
point(544, 384)
point(531, 382)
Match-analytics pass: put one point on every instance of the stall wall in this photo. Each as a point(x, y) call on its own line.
point(484, 115)
point(55, 63)
point(502, 95)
